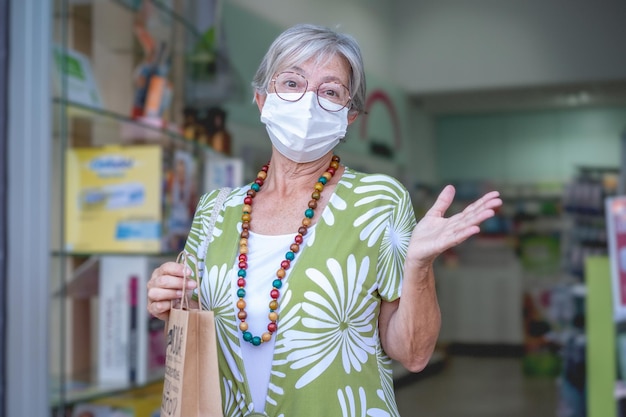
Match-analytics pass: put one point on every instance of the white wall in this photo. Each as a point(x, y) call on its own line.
point(421, 144)
point(434, 45)
point(528, 147)
point(251, 26)
point(460, 45)
point(369, 21)
point(430, 46)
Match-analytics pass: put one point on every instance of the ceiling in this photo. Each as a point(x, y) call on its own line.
point(565, 96)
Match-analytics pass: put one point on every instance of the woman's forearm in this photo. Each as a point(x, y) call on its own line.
point(413, 325)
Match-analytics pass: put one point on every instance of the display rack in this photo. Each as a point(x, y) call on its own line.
point(584, 237)
point(601, 357)
point(123, 131)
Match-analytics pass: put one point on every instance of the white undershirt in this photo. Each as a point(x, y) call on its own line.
point(265, 253)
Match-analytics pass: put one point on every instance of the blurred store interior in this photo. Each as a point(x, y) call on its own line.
point(527, 98)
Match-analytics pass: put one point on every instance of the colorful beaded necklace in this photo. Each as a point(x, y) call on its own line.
point(289, 256)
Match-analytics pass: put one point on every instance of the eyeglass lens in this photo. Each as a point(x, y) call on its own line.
point(291, 86)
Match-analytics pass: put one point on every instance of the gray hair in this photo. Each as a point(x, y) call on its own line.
point(305, 41)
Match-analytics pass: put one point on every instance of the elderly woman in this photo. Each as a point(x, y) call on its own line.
point(318, 275)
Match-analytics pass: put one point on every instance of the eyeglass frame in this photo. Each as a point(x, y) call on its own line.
point(306, 88)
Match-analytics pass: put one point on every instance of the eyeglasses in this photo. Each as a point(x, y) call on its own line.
point(291, 86)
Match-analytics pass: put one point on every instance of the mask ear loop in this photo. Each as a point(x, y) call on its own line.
point(186, 259)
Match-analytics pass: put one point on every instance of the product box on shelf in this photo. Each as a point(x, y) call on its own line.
point(129, 199)
point(615, 208)
point(131, 342)
point(144, 402)
point(180, 198)
point(75, 68)
point(113, 199)
point(221, 171)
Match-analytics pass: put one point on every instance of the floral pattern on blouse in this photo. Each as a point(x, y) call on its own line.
point(328, 359)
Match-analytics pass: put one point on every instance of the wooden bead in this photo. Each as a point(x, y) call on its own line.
point(285, 264)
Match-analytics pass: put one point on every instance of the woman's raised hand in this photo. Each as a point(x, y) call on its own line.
point(166, 285)
point(435, 233)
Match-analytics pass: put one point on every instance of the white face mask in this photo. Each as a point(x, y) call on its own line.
point(302, 130)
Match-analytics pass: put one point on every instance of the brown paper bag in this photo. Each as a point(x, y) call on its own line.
point(191, 387)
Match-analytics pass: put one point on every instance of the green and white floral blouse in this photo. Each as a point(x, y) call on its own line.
point(328, 360)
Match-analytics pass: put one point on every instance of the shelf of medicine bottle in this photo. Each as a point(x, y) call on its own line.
point(65, 254)
point(128, 129)
point(171, 16)
point(78, 392)
point(84, 392)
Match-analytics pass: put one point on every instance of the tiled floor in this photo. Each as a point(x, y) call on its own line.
point(479, 387)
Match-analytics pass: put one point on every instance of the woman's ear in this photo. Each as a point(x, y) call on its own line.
point(352, 116)
point(260, 100)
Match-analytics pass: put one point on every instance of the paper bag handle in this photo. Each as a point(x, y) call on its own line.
point(183, 258)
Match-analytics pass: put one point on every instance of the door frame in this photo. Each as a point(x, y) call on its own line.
point(28, 208)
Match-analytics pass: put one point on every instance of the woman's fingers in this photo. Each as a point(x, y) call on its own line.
point(166, 285)
point(474, 214)
point(436, 233)
point(160, 309)
point(489, 201)
point(443, 202)
point(170, 276)
point(480, 210)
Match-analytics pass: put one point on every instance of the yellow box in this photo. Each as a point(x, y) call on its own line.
point(114, 199)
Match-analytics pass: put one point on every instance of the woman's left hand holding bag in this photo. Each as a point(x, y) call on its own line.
point(165, 285)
